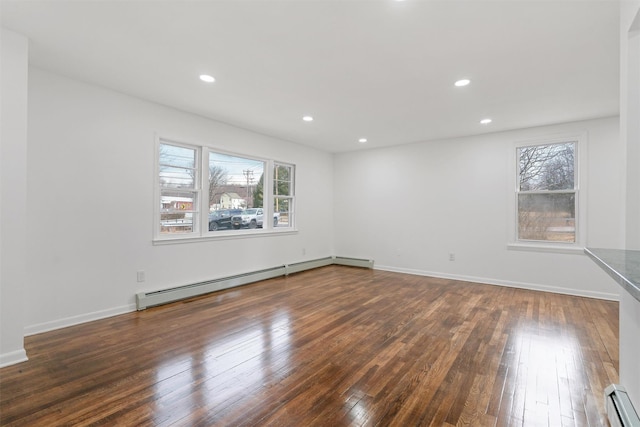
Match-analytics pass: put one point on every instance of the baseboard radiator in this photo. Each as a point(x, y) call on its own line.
point(619, 409)
point(165, 296)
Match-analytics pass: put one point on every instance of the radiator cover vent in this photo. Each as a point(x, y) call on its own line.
point(619, 409)
point(165, 296)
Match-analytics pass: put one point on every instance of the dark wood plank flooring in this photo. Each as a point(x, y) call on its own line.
point(335, 346)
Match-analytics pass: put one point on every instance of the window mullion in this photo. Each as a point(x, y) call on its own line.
point(547, 191)
point(267, 197)
point(204, 192)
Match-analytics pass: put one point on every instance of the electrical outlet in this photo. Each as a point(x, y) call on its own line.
point(304, 251)
point(141, 276)
point(452, 256)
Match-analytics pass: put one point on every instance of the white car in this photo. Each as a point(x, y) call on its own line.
point(252, 218)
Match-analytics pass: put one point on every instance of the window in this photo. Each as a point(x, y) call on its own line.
point(233, 193)
point(283, 194)
point(547, 192)
point(178, 176)
point(207, 193)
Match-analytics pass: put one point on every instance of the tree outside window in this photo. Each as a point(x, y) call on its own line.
point(547, 192)
point(283, 194)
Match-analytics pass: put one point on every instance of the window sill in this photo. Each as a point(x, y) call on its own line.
point(559, 248)
point(222, 235)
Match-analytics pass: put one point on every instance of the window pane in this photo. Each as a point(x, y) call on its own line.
point(547, 217)
point(282, 179)
point(177, 166)
point(546, 167)
point(173, 177)
point(177, 212)
point(235, 192)
point(282, 210)
point(233, 181)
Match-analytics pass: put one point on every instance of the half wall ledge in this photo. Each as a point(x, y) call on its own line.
point(622, 265)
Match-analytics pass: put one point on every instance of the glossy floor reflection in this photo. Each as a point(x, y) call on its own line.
point(335, 346)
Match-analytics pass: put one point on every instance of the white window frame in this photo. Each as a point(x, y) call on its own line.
point(206, 150)
point(580, 157)
point(291, 197)
point(201, 224)
point(196, 190)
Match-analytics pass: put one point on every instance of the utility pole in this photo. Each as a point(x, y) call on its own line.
point(248, 174)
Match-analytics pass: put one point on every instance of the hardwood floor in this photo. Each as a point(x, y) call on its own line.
point(335, 346)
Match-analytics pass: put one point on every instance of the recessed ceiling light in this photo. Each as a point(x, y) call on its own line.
point(362, 140)
point(207, 78)
point(307, 118)
point(462, 82)
point(485, 121)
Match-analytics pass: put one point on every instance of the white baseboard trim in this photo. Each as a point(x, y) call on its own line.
point(507, 283)
point(76, 320)
point(13, 357)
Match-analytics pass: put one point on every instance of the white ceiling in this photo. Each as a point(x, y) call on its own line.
point(379, 69)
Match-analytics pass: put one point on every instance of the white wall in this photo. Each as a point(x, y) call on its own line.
point(629, 113)
point(13, 195)
point(630, 135)
point(89, 207)
point(90, 203)
point(408, 207)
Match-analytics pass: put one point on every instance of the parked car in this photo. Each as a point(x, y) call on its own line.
point(252, 218)
point(222, 219)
